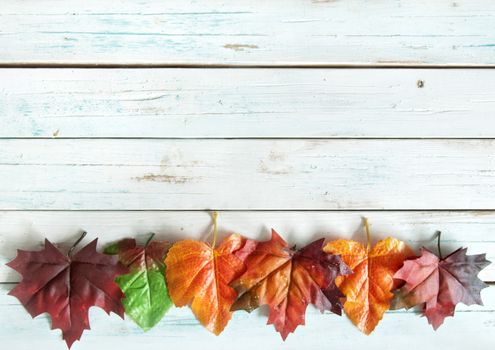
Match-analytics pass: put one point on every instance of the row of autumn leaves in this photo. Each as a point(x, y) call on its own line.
point(242, 274)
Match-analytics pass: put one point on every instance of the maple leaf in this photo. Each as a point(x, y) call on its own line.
point(288, 281)
point(199, 274)
point(146, 296)
point(368, 290)
point(441, 283)
point(66, 286)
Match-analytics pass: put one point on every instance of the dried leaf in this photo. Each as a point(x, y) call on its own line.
point(66, 287)
point(288, 281)
point(199, 274)
point(369, 289)
point(440, 284)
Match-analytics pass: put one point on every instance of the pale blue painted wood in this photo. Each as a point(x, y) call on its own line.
point(306, 103)
point(249, 32)
point(247, 174)
point(165, 174)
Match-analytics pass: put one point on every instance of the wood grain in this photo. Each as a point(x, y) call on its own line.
point(276, 32)
point(243, 103)
point(305, 151)
point(247, 174)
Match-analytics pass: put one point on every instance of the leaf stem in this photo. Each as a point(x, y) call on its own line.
point(368, 234)
point(214, 216)
point(83, 234)
point(152, 234)
point(438, 234)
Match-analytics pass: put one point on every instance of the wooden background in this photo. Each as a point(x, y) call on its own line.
point(125, 117)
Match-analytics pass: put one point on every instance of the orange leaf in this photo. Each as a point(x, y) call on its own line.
point(369, 288)
point(288, 280)
point(199, 274)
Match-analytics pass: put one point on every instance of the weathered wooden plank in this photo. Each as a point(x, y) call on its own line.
point(246, 32)
point(27, 230)
point(179, 329)
point(247, 174)
point(246, 103)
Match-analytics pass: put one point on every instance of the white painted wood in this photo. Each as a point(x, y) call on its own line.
point(27, 230)
point(248, 32)
point(179, 329)
point(247, 174)
point(115, 175)
point(246, 103)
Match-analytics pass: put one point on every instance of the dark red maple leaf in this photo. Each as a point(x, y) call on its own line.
point(66, 286)
point(288, 281)
point(441, 283)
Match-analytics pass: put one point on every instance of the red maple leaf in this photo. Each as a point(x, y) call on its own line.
point(66, 286)
point(440, 284)
point(288, 281)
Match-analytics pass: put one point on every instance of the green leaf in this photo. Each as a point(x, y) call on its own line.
point(146, 297)
point(112, 249)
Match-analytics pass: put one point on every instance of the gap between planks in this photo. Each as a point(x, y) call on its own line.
point(264, 138)
point(474, 211)
point(17, 65)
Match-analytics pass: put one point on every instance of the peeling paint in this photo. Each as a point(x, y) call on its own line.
point(164, 178)
point(240, 47)
point(276, 156)
point(265, 169)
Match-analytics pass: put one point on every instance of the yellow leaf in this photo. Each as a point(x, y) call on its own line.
point(368, 289)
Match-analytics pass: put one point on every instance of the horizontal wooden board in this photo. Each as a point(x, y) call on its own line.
point(247, 174)
point(27, 230)
point(179, 329)
point(304, 103)
point(387, 32)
